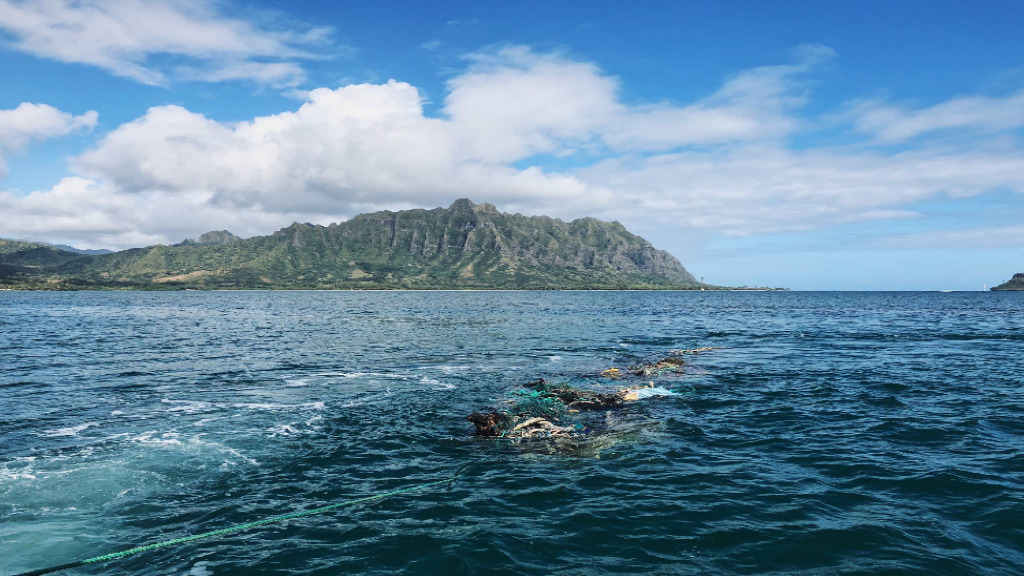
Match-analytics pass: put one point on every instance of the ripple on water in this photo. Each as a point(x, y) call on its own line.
point(830, 433)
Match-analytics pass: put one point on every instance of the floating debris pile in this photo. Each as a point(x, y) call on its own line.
point(543, 409)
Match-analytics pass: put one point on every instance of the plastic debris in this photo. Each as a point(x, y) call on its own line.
point(671, 363)
point(694, 350)
point(543, 409)
point(644, 393)
point(490, 423)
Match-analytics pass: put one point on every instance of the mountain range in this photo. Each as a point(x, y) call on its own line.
point(467, 245)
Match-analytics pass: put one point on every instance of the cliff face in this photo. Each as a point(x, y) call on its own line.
point(465, 232)
point(210, 238)
point(1015, 283)
point(462, 246)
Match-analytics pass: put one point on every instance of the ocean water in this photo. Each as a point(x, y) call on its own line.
point(828, 433)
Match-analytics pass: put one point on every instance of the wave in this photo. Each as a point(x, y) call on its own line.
point(194, 444)
point(69, 431)
point(273, 406)
point(360, 375)
point(198, 406)
point(440, 385)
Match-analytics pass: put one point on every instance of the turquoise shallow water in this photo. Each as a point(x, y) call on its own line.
point(831, 433)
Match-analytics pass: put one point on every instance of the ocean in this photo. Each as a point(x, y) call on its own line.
point(826, 433)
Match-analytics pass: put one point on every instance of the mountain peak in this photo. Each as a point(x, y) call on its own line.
point(211, 238)
point(218, 237)
point(462, 206)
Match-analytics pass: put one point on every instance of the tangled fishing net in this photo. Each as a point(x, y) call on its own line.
point(543, 409)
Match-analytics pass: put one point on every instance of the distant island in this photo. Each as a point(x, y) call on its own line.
point(464, 246)
point(1015, 283)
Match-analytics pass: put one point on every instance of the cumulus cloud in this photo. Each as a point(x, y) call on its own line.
point(123, 36)
point(722, 165)
point(374, 144)
point(357, 144)
point(91, 214)
point(34, 122)
point(514, 103)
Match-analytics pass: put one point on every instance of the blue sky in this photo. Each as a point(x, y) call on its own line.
point(814, 145)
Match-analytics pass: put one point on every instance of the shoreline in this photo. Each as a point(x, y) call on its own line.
point(396, 290)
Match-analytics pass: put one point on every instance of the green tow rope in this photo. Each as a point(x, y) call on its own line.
point(228, 530)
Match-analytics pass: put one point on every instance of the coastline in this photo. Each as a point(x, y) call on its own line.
point(98, 289)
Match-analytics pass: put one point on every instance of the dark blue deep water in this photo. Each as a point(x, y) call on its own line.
point(830, 433)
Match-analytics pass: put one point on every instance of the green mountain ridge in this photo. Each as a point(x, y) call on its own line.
point(463, 246)
point(1015, 283)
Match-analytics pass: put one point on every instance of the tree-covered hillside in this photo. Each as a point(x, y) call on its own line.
point(463, 246)
point(1015, 283)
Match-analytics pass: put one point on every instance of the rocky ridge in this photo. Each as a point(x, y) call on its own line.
point(466, 245)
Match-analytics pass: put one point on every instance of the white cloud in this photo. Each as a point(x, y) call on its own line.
point(38, 122)
point(88, 214)
point(357, 144)
point(752, 105)
point(754, 190)
point(275, 74)
point(892, 124)
point(513, 103)
point(34, 122)
point(985, 238)
point(721, 165)
point(122, 36)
